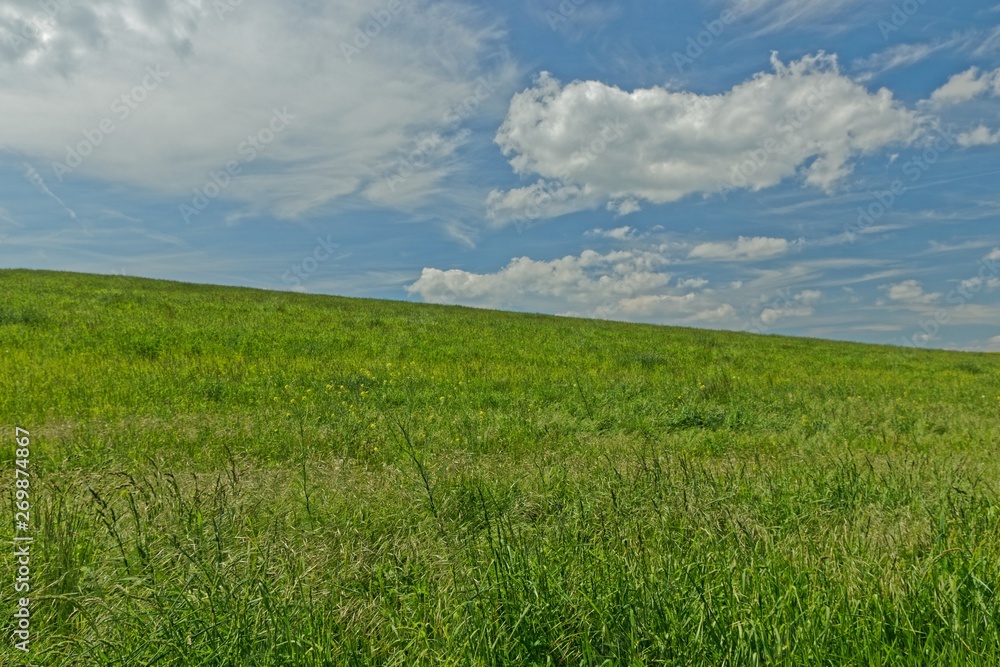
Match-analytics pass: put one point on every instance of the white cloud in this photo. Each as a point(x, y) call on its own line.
point(589, 142)
point(744, 248)
point(627, 285)
point(571, 279)
point(786, 305)
point(692, 283)
point(993, 256)
point(966, 86)
point(682, 309)
point(631, 285)
point(355, 113)
point(624, 207)
point(994, 343)
point(618, 233)
point(974, 284)
point(909, 292)
point(980, 136)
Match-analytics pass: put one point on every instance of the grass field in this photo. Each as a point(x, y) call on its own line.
point(226, 476)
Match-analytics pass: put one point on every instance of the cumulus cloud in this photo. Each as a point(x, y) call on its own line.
point(994, 255)
point(632, 285)
point(966, 86)
point(361, 104)
point(979, 136)
point(628, 285)
point(786, 305)
point(744, 248)
point(668, 308)
point(618, 233)
point(571, 279)
point(624, 206)
point(975, 284)
point(589, 142)
point(692, 283)
point(909, 292)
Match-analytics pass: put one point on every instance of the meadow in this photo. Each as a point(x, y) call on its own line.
point(234, 477)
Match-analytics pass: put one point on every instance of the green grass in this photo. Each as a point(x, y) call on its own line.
point(236, 477)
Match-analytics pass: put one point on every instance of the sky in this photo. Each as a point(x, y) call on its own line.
point(821, 168)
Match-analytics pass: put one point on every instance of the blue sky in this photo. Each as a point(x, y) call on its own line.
point(820, 168)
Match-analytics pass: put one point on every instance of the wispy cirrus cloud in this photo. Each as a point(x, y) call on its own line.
point(828, 15)
point(36, 179)
point(743, 249)
point(906, 55)
point(359, 79)
point(989, 45)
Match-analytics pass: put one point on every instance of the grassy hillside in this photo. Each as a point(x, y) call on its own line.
point(235, 477)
